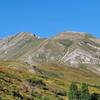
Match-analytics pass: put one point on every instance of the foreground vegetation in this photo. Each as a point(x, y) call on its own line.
point(82, 93)
point(46, 82)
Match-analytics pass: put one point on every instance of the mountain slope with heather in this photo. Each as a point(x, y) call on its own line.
point(43, 68)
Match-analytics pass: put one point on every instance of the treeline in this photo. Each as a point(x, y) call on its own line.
point(82, 93)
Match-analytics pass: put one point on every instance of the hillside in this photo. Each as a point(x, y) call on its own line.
point(33, 68)
point(49, 81)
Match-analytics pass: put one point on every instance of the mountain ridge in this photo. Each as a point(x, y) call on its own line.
point(73, 48)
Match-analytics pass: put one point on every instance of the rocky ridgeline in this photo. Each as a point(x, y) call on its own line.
point(73, 48)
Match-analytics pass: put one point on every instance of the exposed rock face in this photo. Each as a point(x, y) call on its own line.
point(80, 56)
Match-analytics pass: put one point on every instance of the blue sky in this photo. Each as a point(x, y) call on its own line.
point(49, 17)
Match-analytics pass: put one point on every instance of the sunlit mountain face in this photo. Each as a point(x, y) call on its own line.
point(34, 68)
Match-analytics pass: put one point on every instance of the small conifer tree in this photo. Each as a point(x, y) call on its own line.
point(84, 92)
point(73, 92)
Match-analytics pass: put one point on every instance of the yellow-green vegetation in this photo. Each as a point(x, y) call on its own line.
point(17, 83)
point(66, 75)
point(47, 82)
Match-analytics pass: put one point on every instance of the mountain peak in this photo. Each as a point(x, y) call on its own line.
point(26, 33)
point(72, 35)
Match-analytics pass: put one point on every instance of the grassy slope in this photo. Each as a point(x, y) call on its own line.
point(50, 81)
